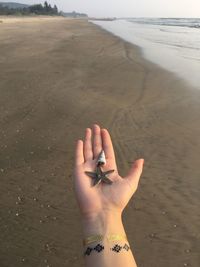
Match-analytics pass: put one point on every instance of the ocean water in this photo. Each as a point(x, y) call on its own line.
point(172, 43)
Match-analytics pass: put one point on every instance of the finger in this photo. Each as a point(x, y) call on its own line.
point(135, 173)
point(79, 159)
point(107, 144)
point(97, 142)
point(87, 147)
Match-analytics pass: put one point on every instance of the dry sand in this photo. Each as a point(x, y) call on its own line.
point(32, 19)
point(55, 77)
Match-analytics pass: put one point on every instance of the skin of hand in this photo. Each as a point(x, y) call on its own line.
point(102, 198)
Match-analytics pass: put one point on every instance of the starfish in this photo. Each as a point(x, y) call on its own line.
point(100, 176)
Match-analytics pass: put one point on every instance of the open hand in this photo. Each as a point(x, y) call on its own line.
point(102, 197)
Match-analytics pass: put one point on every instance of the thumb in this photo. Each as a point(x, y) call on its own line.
point(135, 173)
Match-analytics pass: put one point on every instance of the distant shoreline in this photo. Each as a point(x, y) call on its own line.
point(13, 19)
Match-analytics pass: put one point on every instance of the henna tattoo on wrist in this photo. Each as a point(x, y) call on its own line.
point(99, 248)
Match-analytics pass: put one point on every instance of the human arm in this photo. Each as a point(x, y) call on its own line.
point(101, 206)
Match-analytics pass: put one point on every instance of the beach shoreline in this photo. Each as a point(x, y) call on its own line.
point(174, 48)
point(57, 75)
point(25, 19)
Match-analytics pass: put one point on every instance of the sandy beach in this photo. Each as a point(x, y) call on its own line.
point(59, 76)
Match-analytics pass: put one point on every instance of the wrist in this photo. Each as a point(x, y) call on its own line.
point(102, 223)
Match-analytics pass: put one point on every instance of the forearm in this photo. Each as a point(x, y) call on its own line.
point(111, 252)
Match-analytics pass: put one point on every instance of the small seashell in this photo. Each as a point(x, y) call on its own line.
point(20, 199)
point(101, 159)
point(153, 235)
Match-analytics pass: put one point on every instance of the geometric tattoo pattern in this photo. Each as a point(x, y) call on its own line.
point(98, 248)
point(117, 248)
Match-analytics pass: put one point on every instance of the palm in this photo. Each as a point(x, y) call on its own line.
point(101, 197)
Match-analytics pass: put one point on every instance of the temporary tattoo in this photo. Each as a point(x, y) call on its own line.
point(88, 251)
point(117, 248)
point(126, 247)
point(98, 248)
point(99, 238)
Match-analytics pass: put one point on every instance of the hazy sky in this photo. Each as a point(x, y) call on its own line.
point(127, 8)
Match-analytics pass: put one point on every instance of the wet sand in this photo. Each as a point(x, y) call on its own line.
point(56, 75)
